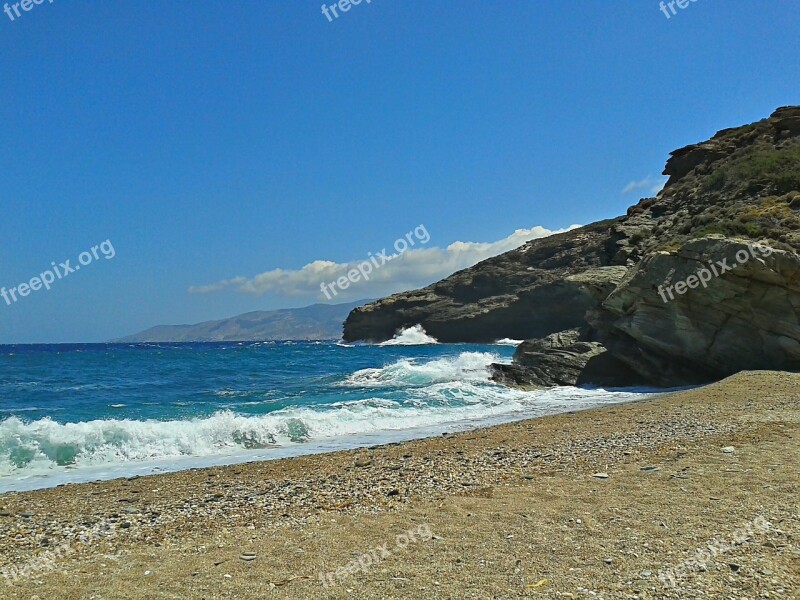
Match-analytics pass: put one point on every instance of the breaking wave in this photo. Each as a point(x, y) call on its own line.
point(405, 395)
point(508, 342)
point(467, 366)
point(413, 336)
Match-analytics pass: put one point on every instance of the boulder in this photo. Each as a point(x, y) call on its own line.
point(564, 359)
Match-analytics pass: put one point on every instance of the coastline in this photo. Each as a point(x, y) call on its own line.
point(546, 403)
point(514, 511)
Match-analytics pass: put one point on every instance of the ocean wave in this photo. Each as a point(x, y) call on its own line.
point(42, 446)
point(508, 342)
point(412, 336)
point(229, 393)
point(406, 395)
point(48, 443)
point(467, 366)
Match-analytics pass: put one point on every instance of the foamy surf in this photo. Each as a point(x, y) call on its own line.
point(404, 399)
point(467, 366)
point(508, 342)
point(412, 336)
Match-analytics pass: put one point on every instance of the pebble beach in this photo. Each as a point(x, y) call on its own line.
point(686, 495)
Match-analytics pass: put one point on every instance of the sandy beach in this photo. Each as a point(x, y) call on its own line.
point(606, 503)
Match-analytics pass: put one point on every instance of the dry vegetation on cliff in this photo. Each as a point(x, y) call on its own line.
point(602, 280)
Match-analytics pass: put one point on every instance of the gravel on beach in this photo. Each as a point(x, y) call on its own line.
point(687, 495)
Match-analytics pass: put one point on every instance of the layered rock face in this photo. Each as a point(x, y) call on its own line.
point(743, 319)
point(523, 293)
point(626, 292)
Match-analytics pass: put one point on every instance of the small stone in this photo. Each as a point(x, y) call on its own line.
point(608, 561)
point(26, 515)
point(734, 567)
point(650, 469)
point(729, 450)
point(247, 556)
point(125, 525)
point(227, 576)
point(363, 462)
point(600, 475)
point(394, 492)
point(645, 574)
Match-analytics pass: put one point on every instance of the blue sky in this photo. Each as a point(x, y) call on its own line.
point(214, 140)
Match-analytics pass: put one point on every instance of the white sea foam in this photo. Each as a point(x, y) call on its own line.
point(234, 393)
point(468, 366)
point(406, 399)
point(413, 336)
point(508, 342)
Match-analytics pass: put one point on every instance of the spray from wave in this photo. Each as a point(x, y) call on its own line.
point(466, 367)
point(412, 336)
point(405, 395)
point(508, 342)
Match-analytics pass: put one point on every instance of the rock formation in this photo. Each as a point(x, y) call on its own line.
point(616, 292)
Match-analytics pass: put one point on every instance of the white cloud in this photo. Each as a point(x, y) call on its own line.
point(652, 184)
point(417, 267)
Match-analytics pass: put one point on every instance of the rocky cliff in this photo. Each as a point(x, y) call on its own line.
point(627, 292)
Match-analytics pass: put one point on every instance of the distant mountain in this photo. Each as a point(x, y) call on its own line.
point(316, 322)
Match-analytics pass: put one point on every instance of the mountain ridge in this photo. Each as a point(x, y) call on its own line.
point(313, 322)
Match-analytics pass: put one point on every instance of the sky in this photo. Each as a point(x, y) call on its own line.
point(235, 155)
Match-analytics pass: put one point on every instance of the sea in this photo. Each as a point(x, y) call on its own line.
point(88, 412)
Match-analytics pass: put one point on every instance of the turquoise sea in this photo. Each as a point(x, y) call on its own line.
point(96, 411)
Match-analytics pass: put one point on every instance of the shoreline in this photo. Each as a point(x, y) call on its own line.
point(579, 501)
point(583, 399)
